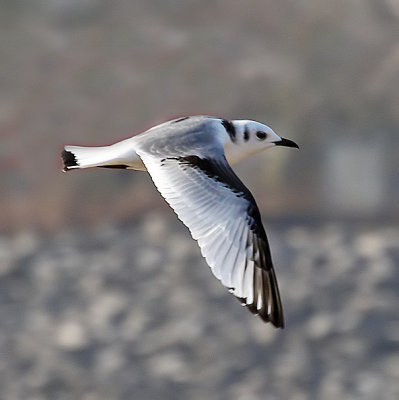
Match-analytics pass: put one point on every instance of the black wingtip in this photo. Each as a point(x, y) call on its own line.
point(69, 160)
point(271, 310)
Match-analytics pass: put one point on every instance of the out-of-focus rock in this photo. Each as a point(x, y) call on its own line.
point(124, 312)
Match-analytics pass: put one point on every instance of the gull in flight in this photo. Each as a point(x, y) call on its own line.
point(189, 161)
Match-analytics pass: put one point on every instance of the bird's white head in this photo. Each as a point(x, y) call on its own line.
point(249, 137)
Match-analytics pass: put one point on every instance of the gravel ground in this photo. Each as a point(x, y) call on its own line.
point(132, 312)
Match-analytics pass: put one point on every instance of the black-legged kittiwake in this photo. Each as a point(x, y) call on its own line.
point(189, 161)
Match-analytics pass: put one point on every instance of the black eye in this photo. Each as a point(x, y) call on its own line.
point(261, 135)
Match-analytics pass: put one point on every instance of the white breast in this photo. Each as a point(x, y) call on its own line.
point(236, 152)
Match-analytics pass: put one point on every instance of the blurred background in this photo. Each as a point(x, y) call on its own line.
point(103, 294)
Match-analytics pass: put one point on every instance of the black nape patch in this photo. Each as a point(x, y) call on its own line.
point(69, 160)
point(180, 120)
point(231, 130)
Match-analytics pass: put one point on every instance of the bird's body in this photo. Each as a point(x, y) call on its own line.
point(188, 160)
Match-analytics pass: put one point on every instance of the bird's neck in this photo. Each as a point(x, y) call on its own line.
point(235, 152)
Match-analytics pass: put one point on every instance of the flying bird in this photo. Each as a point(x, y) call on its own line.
point(189, 161)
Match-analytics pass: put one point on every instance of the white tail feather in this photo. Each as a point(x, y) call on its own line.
point(86, 157)
point(120, 154)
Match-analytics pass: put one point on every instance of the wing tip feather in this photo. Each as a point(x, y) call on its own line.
point(271, 309)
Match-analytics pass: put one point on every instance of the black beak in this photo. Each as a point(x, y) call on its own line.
point(286, 143)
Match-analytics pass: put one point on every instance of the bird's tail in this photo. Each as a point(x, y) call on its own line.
point(114, 156)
